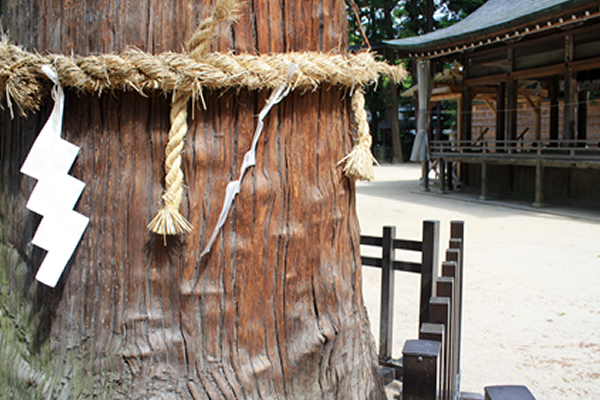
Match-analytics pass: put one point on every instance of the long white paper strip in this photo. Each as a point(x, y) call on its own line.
point(233, 187)
point(56, 192)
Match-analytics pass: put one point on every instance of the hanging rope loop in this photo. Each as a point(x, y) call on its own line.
point(169, 220)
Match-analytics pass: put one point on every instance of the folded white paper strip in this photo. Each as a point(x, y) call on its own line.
point(55, 193)
point(233, 187)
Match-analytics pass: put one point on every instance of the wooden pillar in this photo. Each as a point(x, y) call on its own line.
point(268, 313)
point(511, 112)
point(539, 185)
point(442, 168)
point(397, 156)
point(438, 121)
point(421, 369)
point(554, 111)
point(484, 181)
point(457, 242)
point(420, 151)
point(512, 101)
point(425, 175)
point(459, 119)
point(386, 319)
point(466, 112)
point(501, 112)
point(429, 266)
point(570, 107)
point(538, 118)
point(440, 313)
point(582, 115)
point(570, 98)
point(449, 175)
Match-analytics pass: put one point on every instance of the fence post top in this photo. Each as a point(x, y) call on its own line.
point(421, 347)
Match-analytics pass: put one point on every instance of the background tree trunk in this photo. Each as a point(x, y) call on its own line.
point(274, 311)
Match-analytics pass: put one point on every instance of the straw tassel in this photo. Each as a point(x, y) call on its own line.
point(358, 164)
point(169, 220)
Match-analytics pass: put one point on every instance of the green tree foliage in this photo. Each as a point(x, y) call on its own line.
point(391, 19)
point(456, 10)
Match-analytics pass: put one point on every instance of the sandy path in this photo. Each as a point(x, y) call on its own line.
point(531, 290)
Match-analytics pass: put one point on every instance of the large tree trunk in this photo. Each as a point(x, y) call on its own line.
point(274, 311)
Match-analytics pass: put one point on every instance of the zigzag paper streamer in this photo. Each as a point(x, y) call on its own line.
point(56, 192)
point(233, 187)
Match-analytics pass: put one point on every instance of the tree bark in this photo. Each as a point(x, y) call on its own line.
point(275, 310)
point(397, 156)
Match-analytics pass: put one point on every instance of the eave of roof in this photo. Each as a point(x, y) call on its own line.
point(493, 17)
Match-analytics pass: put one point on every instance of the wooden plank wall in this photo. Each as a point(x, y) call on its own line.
point(484, 118)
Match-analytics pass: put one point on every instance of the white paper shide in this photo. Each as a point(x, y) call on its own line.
point(55, 193)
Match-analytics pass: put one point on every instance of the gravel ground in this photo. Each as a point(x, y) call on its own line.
point(531, 289)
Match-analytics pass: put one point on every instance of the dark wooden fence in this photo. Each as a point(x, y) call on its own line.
point(433, 361)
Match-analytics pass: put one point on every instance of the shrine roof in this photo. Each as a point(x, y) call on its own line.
point(496, 17)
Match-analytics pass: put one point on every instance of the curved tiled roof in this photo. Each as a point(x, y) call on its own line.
point(492, 17)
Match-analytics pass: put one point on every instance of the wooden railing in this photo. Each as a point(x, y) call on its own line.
point(440, 313)
point(569, 148)
point(427, 268)
point(430, 366)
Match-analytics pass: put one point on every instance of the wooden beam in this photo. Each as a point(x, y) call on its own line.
point(490, 106)
point(448, 96)
point(538, 72)
point(482, 132)
point(479, 90)
point(590, 63)
point(537, 109)
point(486, 80)
point(530, 102)
point(522, 135)
point(523, 91)
point(548, 70)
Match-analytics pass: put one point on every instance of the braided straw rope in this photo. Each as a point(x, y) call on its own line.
point(25, 86)
point(359, 162)
point(225, 10)
point(169, 220)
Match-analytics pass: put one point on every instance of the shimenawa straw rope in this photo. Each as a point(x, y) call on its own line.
point(22, 81)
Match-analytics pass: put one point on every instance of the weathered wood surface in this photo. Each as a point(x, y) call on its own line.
point(274, 311)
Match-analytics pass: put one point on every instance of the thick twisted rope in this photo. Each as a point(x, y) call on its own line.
point(225, 10)
point(169, 220)
point(358, 164)
point(25, 86)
